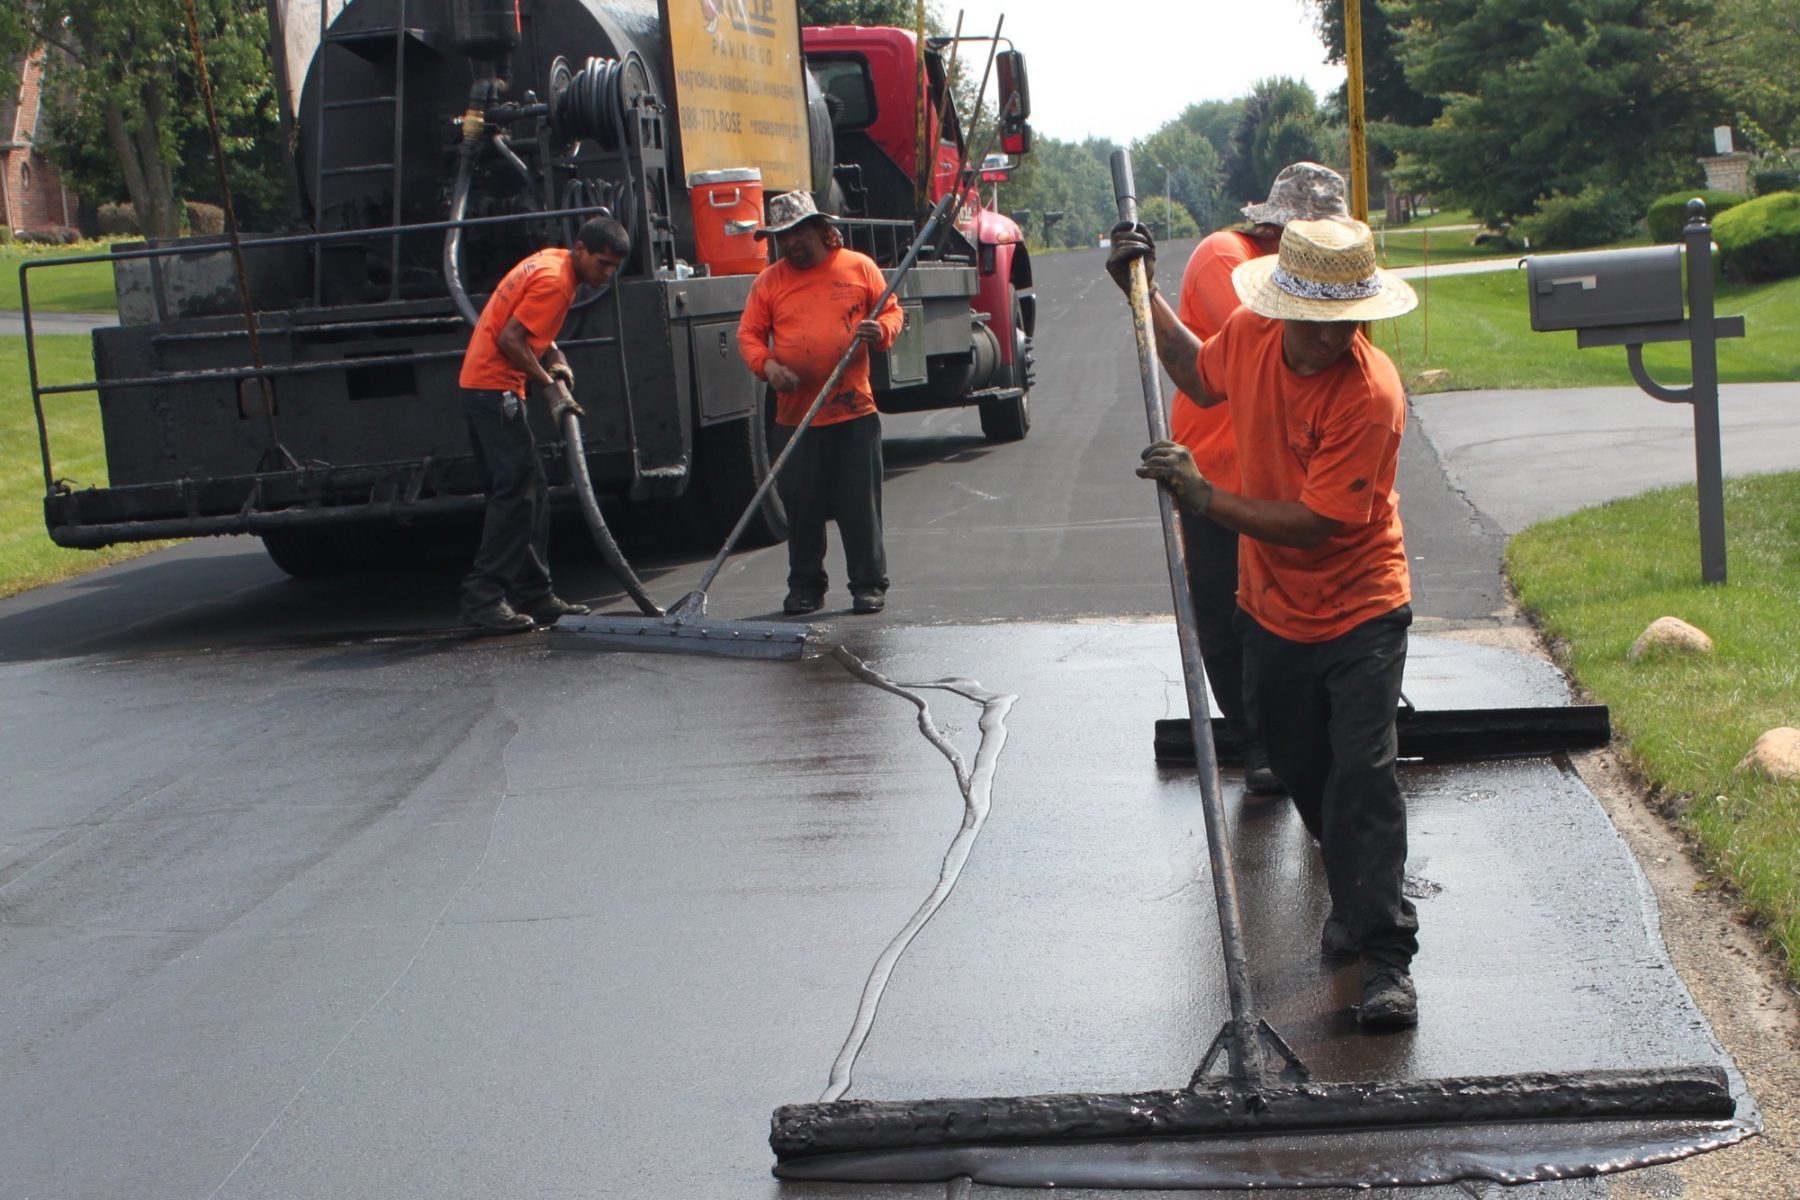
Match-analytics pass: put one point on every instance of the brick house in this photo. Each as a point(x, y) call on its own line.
point(32, 197)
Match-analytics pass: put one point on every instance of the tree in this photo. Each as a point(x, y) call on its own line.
point(1214, 120)
point(1281, 124)
point(1387, 96)
point(1750, 61)
point(1547, 99)
point(902, 14)
point(128, 69)
point(1178, 162)
point(1073, 178)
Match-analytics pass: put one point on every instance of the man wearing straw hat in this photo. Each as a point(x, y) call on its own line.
point(1318, 414)
point(803, 312)
point(1302, 191)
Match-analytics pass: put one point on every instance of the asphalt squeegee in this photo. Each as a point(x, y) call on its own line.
point(685, 628)
point(1251, 1116)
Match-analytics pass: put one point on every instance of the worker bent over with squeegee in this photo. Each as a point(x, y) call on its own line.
point(1323, 584)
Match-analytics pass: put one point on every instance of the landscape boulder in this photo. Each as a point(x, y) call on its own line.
point(1670, 635)
point(1776, 755)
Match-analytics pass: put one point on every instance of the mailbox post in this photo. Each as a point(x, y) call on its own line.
point(1632, 297)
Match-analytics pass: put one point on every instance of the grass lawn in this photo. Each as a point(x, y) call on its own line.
point(86, 287)
point(1596, 578)
point(1478, 328)
point(1409, 248)
point(1378, 219)
point(28, 557)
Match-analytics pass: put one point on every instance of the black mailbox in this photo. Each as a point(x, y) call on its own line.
point(1605, 288)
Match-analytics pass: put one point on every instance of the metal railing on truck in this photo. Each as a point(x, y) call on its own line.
point(404, 477)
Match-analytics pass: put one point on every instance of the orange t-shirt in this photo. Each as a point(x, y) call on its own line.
point(538, 291)
point(1332, 442)
point(811, 315)
point(1207, 298)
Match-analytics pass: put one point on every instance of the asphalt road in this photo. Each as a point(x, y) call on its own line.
point(303, 893)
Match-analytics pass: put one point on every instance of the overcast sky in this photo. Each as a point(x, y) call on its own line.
point(1124, 81)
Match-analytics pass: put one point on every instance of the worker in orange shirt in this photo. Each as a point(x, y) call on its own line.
point(803, 312)
point(507, 590)
point(1302, 191)
point(1323, 586)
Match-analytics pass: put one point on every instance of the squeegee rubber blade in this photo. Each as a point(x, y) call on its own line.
point(648, 635)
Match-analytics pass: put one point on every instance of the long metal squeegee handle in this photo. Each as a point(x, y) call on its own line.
point(1242, 1037)
point(576, 454)
point(938, 214)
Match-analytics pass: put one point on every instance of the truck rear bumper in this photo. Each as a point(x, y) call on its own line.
point(392, 494)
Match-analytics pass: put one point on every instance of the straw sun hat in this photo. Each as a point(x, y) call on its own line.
point(1324, 271)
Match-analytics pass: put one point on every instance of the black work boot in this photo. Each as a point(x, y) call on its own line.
point(497, 617)
point(799, 601)
point(867, 600)
point(1388, 998)
point(1336, 941)
point(546, 610)
point(1259, 779)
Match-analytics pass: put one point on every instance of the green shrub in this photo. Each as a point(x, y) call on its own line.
point(117, 220)
point(205, 218)
point(1760, 239)
point(1782, 178)
point(1668, 214)
point(1591, 217)
point(5, 234)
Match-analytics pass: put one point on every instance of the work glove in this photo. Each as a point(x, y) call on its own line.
point(1131, 241)
point(562, 400)
point(1170, 464)
point(564, 372)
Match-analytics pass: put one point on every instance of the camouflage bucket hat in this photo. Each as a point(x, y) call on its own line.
point(788, 210)
point(1304, 191)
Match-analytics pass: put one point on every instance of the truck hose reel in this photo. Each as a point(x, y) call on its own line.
point(593, 102)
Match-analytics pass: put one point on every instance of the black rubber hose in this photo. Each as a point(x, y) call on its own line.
point(459, 203)
point(576, 455)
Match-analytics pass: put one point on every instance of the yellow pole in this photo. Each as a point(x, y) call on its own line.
point(1359, 150)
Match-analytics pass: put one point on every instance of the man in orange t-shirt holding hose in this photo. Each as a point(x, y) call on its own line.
point(507, 589)
point(803, 312)
point(1303, 191)
point(1323, 583)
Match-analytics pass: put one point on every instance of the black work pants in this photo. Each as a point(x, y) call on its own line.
point(513, 559)
point(834, 474)
point(1212, 571)
point(1325, 711)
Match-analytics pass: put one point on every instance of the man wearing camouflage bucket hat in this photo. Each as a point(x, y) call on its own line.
point(1318, 413)
point(1301, 191)
point(803, 312)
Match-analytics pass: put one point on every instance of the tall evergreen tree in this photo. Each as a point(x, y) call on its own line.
point(1281, 124)
point(1553, 97)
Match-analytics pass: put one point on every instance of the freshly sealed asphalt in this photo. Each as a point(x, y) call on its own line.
point(303, 893)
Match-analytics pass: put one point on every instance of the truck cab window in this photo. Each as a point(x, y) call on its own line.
point(847, 81)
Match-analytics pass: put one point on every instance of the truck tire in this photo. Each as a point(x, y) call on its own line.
point(1010, 420)
point(305, 553)
point(320, 553)
point(733, 461)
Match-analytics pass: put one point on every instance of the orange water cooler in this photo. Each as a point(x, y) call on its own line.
point(728, 206)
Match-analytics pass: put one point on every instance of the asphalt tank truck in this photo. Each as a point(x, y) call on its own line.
point(438, 143)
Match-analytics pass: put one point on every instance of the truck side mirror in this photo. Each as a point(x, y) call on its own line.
point(1015, 102)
